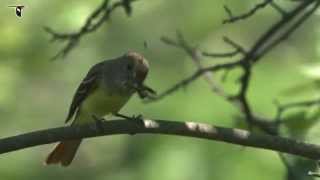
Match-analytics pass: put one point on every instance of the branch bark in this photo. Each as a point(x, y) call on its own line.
point(187, 129)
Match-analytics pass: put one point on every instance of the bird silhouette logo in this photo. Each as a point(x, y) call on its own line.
point(18, 9)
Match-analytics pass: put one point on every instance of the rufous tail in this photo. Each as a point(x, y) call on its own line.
point(63, 153)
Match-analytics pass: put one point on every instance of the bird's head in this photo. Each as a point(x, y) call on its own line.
point(137, 67)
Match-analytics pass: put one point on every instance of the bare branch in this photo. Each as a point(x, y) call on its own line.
point(182, 44)
point(195, 55)
point(278, 8)
point(236, 46)
point(246, 15)
point(93, 22)
point(187, 129)
point(258, 50)
point(260, 47)
point(264, 44)
point(221, 55)
point(192, 78)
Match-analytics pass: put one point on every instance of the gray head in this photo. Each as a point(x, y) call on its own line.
point(128, 70)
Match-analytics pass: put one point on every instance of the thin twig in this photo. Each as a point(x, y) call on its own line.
point(195, 54)
point(246, 15)
point(93, 22)
point(279, 26)
point(278, 8)
point(192, 78)
point(301, 104)
point(264, 44)
point(220, 55)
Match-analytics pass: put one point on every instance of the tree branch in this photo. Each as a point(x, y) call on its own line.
point(271, 38)
point(187, 81)
point(187, 129)
point(195, 55)
point(246, 15)
point(100, 15)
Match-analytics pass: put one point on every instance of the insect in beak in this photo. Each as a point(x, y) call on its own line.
point(144, 91)
point(18, 10)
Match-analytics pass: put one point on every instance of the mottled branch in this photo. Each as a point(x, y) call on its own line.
point(187, 129)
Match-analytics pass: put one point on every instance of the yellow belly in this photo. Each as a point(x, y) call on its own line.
point(99, 104)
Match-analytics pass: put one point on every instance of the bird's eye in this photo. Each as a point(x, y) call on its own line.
point(129, 67)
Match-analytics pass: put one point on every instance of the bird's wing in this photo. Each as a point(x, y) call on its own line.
point(88, 84)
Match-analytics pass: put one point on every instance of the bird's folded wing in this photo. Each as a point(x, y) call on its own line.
point(88, 84)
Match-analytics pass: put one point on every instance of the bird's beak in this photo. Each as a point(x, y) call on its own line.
point(143, 90)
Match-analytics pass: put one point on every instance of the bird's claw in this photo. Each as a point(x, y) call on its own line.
point(138, 118)
point(99, 122)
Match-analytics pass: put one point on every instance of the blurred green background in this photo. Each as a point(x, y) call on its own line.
point(35, 92)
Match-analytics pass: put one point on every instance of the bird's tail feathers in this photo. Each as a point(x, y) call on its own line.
point(63, 153)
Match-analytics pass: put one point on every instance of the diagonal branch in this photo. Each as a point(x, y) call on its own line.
point(195, 55)
point(187, 81)
point(266, 43)
point(272, 37)
point(187, 129)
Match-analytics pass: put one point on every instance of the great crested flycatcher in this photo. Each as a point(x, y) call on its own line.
point(106, 88)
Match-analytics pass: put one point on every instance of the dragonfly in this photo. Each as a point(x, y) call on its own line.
point(18, 9)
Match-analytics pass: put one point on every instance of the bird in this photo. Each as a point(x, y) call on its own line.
point(18, 9)
point(106, 88)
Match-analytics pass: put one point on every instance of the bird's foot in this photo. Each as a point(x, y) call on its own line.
point(138, 119)
point(146, 92)
point(121, 116)
point(99, 122)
